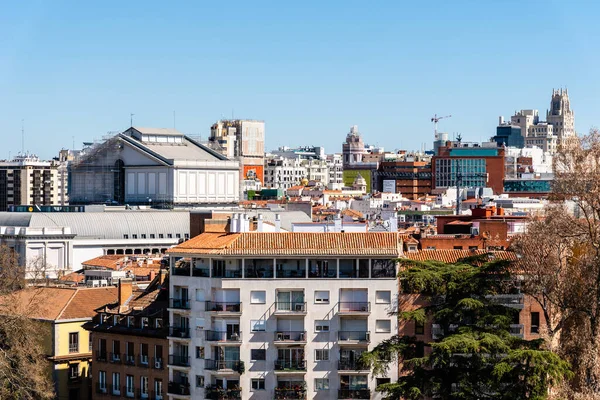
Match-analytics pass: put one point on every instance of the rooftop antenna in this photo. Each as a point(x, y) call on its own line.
point(131, 119)
point(22, 136)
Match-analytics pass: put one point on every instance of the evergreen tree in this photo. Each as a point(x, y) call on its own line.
point(473, 355)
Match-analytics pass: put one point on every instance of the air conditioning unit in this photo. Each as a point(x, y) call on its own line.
point(158, 364)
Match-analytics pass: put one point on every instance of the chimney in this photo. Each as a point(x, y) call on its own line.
point(259, 223)
point(163, 275)
point(337, 223)
point(125, 290)
point(245, 223)
point(234, 223)
point(393, 222)
point(500, 120)
point(277, 223)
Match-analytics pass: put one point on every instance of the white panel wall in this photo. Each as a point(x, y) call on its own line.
point(206, 186)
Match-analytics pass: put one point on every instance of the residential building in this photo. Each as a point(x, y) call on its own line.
point(241, 140)
point(61, 241)
point(412, 179)
point(129, 339)
point(64, 311)
point(27, 180)
point(154, 167)
point(336, 172)
point(282, 172)
point(542, 135)
point(281, 315)
point(302, 153)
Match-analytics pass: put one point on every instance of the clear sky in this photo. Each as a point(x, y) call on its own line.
point(76, 70)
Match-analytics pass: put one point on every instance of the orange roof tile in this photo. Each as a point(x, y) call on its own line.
point(452, 256)
point(72, 277)
point(289, 243)
point(106, 261)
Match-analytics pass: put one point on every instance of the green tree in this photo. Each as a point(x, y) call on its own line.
point(473, 355)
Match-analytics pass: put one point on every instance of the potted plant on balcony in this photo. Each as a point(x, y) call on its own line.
point(239, 367)
point(297, 391)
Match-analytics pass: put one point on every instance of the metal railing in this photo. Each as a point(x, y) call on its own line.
point(354, 394)
point(355, 365)
point(201, 272)
point(183, 304)
point(115, 358)
point(181, 361)
point(360, 336)
point(128, 359)
point(219, 306)
point(354, 306)
point(178, 388)
point(179, 331)
point(128, 392)
point(285, 393)
point(223, 336)
point(114, 390)
point(290, 336)
point(181, 271)
point(290, 365)
point(217, 393)
point(73, 347)
point(217, 365)
point(157, 363)
point(157, 395)
point(143, 360)
point(290, 274)
point(290, 306)
point(102, 389)
point(101, 355)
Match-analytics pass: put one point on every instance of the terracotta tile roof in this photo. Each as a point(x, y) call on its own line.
point(297, 187)
point(54, 303)
point(72, 277)
point(288, 243)
point(352, 213)
point(452, 256)
point(106, 261)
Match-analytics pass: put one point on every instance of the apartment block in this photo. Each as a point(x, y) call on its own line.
point(280, 315)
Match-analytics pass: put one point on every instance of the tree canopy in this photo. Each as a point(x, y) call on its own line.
point(473, 354)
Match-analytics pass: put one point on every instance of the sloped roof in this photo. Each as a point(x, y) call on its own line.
point(292, 243)
point(106, 261)
point(57, 303)
point(158, 131)
point(452, 256)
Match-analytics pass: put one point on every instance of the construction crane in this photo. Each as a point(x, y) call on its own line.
point(435, 120)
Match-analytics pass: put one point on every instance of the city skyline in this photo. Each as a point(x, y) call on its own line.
point(386, 68)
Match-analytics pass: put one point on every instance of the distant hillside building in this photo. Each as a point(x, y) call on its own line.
point(154, 166)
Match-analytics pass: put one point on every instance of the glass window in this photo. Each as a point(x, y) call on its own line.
point(74, 342)
point(258, 354)
point(258, 384)
point(258, 325)
point(383, 326)
point(322, 326)
point(102, 380)
point(321, 296)
point(321, 383)
point(258, 297)
point(383, 297)
point(535, 322)
point(144, 386)
point(200, 352)
point(199, 381)
point(381, 381)
point(74, 371)
point(419, 328)
point(322, 355)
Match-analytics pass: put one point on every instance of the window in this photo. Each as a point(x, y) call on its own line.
point(382, 381)
point(144, 386)
point(115, 320)
point(169, 236)
point(134, 236)
point(258, 297)
point(383, 326)
point(419, 328)
point(322, 326)
point(144, 322)
point(322, 355)
point(143, 236)
point(116, 350)
point(258, 325)
point(178, 235)
point(130, 322)
point(321, 383)
point(258, 354)
point(74, 342)
point(90, 342)
point(200, 352)
point(116, 383)
point(383, 297)
point(321, 296)
point(258, 384)
point(125, 236)
point(102, 381)
point(144, 353)
point(152, 236)
point(129, 385)
point(535, 322)
point(74, 371)
point(161, 236)
point(199, 381)
point(158, 323)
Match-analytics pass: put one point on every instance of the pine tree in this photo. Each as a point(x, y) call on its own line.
point(473, 355)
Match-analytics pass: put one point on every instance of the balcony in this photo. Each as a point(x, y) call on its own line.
point(224, 365)
point(181, 271)
point(223, 336)
point(115, 358)
point(201, 272)
point(179, 361)
point(290, 366)
point(354, 337)
point(289, 337)
point(509, 300)
point(223, 307)
point(180, 304)
point(179, 332)
point(114, 390)
point(177, 388)
point(287, 308)
point(142, 395)
point(355, 365)
point(354, 394)
point(354, 307)
point(290, 393)
point(218, 393)
point(101, 356)
point(128, 359)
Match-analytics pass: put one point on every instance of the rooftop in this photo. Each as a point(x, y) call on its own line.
point(452, 256)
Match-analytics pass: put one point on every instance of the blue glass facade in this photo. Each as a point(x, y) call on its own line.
point(528, 185)
point(509, 135)
point(473, 171)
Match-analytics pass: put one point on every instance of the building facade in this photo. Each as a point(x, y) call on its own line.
point(281, 315)
point(353, 148)
point(411, 179)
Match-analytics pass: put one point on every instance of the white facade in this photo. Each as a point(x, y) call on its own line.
point(283, 173)
point(289, 328)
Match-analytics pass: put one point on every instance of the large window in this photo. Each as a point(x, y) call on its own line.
point(473, 172)
point(74, 342)
point(102, 381)
point(116, 383)
point(258, 297)
point(322, 268)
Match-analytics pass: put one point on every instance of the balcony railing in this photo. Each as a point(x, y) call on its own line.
point(101, 355)
point(288, 393)
point(354, 306)
point(354, 394)
point(157, 363)
point(509, 300)
point(359, 336)
point(142, 395)
point(181, 361)
point(215, 306)
point(355, 365)
point(181, 271)
point(128, 359)
point(143, 360)
point(218, 393)
point(290, 336)
point(128, 392)
point(181, 389)
point(201, 272)
point(157, 395)
point(290, 307)
point(115, 358)
point(223, 336)
point(183, 304)
point(230, 273)
point(179, 331)
point(291, 274)
point(218, 365)
point(74, 348)
point(517, 330)
point(102, 389)
point(290, 365)
point(114, 390)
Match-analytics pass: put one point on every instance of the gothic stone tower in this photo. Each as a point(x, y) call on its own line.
point(560, 115)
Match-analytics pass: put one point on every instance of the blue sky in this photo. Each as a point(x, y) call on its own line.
point(309, 69)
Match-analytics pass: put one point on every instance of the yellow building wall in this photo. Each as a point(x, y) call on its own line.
point(64, 384)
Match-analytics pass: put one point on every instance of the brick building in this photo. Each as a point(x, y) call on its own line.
point(412, 179)
point(130, 345)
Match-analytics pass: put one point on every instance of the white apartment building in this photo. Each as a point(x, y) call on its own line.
point(336, 172)
point(280, 315)
point(543, 136)
point(283, 173)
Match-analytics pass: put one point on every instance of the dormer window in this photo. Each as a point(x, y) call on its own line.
point(130, 322)
point(102, 318)
point(115, 320)
point(158, 323)
point(144, 322)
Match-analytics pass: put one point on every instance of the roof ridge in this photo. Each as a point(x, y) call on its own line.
point(75, 291)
